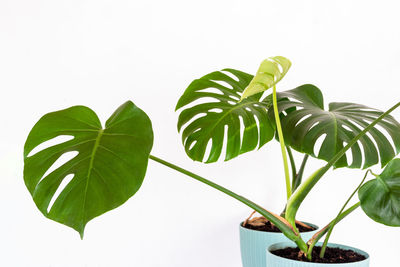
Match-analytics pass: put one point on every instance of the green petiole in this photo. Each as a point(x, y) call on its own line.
point(311, 243)
point(292, 166)
point(282, 143)
point(278, 221)
point(335, 221)
point(299, 175)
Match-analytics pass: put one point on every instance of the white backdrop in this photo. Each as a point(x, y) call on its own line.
point(55, 54)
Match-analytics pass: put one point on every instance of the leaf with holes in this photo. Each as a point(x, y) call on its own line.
point(219, 110)
point(108, 169)
point(270, 72)
point(380, 197)
point(305, 121)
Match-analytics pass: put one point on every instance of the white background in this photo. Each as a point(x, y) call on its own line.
point(55, 54)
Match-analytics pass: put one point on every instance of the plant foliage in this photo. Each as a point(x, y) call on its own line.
point(380, 197)
point(304, 121)
point(219, 108)
point(108, 170)
point(270, 72)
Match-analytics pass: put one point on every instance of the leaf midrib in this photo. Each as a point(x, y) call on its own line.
point(383, 183)
point(92, 156)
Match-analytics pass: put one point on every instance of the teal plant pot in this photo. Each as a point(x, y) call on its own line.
point(276, 261)
point(253, 244)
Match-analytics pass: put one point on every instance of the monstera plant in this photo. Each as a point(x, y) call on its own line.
point(225, 113)
point(231, 107)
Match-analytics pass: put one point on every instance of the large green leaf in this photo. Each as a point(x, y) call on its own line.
point(304, 121)
point(108, 170)
point(380, 197)
point(270, 72)
point(219, 108)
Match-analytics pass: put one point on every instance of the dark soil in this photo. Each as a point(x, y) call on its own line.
point(266, 226)
point(332, 255)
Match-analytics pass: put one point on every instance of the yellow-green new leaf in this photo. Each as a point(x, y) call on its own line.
point(270, 72)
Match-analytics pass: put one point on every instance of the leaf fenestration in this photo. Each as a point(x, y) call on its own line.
point(270, 72)
point(304, 121)
point(200, 124)
point(109, 168)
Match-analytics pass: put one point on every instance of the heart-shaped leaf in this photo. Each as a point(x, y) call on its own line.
point(108, 169)
point(380, 197)
point(270, 72)
point(304, 121)
point(219, 108)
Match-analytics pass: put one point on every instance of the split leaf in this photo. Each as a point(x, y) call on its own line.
point(212, 113)
point(108, 169)
point(305, 121)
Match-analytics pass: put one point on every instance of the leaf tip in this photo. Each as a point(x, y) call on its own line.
point(128, 103)
point(80, 229)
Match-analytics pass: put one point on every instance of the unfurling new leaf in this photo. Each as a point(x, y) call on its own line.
point(270, 72)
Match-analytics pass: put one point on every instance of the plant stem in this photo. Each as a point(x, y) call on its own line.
point(278, 221)
point(317, 236)
point(282, 142)
point(292, 165)
point(296, 176)
point(299, 195)
point(299, 176)
point(328, 235)
point(302, 191)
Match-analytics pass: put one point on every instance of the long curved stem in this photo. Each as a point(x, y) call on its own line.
point(317, 236)
point(282, 142)
point(297, 198)
point(335, 221)
point(278, 221)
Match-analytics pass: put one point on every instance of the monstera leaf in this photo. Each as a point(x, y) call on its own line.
point(206, 122)
point(304, 121)
point(380, 197)
point(270, 72)
point(108, 169)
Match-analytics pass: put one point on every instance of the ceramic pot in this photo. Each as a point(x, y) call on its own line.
point(276, 261)
point(253, 244)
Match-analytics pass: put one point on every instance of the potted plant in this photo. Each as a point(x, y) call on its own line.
point(234, 99)
point(229, 106)
point(111, 162)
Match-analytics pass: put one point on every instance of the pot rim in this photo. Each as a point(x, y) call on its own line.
point(291, 244)
point(272, 233)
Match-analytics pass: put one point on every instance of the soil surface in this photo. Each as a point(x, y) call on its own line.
point(332, 255)
point(262, 224)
